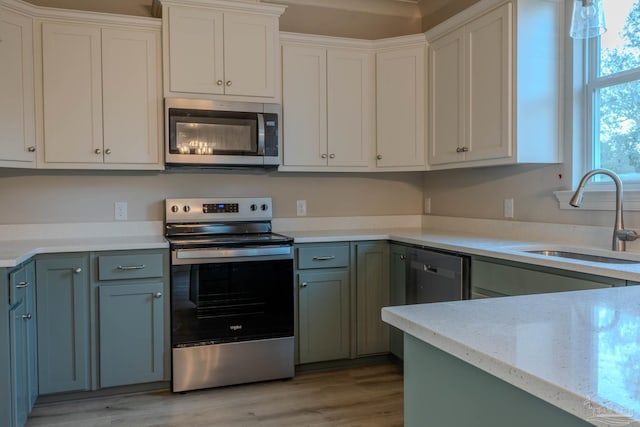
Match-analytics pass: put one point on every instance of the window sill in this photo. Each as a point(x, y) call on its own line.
point(600, 200)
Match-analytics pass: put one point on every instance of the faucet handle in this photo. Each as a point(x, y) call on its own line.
point(627, 235)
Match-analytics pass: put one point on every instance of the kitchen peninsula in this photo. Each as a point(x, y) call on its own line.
point(562, 359)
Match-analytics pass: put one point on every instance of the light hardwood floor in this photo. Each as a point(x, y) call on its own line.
point(368, 396)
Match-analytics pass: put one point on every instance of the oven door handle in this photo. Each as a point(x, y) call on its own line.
point(224, 254)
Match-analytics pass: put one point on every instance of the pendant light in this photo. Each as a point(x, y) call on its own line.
point(588, 19)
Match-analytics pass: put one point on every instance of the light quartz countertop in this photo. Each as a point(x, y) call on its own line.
point(510, 248)
point(579, 351)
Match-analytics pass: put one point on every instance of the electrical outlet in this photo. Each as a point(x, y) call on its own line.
point(427, 205)
point(508, 208)
point(120, 211)
point(301, 207)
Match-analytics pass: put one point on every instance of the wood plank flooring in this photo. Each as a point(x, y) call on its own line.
point(368, 396)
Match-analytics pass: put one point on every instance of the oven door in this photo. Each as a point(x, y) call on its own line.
point(230, 299)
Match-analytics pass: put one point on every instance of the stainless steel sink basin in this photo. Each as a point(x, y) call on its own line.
point(583, 257)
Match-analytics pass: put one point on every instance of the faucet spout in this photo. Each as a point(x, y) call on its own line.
point(620, 235)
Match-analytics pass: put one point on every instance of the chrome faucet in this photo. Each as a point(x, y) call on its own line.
point(620, 235)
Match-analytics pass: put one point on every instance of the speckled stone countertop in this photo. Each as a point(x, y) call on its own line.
point(579, 351)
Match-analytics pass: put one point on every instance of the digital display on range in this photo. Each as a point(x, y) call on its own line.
point(220, 208)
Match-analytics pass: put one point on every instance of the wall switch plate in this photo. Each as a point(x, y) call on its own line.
point(120, 211)
point(301, 207)
point(508, 208)
point(427, 205)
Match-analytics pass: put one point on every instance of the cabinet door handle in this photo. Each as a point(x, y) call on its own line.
point(131, 267)
point(324, 258)
point(379, 157)
point(332, 156)
point(107, 151)
point(304, 284)
point(98, 151)
point(21, 285)
point(462, 150)
point(31, 149)
point(324, 156)
point(219, 82)
point(402, 257)
point(27, 316)
point(77, 270)
point(157, 295)
point(228, 82)
point(430, 268)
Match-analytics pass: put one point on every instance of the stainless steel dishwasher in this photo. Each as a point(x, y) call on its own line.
point(435, 276)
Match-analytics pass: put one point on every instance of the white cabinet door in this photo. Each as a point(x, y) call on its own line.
point(446, 98)
point(72, 77)
point(249, 54)
point(222, 53)
point(489, 86)
point(17, 109)
point(348, 107)
point(131, 96)
point(304, 105)
point(400, 107)
point(196, 51)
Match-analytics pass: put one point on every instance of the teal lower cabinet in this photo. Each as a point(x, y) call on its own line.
point(398, 285)
point(63, 323)
point(324, 321)
point(372, 293)
point(132, 316)
point(131, 333)
point(102, 319)
point(442, 390)
point(494, 278)
point(18, 370)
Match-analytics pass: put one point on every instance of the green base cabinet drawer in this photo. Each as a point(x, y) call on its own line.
point(138, 266)
point(323, 256)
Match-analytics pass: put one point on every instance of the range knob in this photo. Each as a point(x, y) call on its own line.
point(186, 208)
point(253, 207)
point(175, 208)
point(264, 207)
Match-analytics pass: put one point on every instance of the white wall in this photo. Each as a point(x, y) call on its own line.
point(48, 197)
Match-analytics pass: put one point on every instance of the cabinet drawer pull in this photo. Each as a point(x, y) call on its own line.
point(27, 316)
point(131, 267)
point(77, 270)
point(22, 285)
point(157, 295)
point(403, 257)
point(31, 149)
point(303, 284)
point(324, 258)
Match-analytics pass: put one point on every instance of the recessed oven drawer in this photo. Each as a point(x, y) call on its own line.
point(130, 266)
point(323, 256)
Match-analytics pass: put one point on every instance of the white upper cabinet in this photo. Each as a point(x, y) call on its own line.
point(400, 121)
point(17, 101)
point(327, 106)
point(101, 97)
point(496, 85)
point(221, 49)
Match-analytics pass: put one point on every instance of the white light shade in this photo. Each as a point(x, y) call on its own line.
point(588, 19)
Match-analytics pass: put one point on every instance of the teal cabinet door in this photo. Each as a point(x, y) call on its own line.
point(372, 293)
point(62, 289)
point(18, 318)
point(492, 278)
point(398, 285)
point(31, 332)
point(131, 333)
point(324, 307)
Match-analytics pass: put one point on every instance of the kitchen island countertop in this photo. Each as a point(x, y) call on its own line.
point(578, 351)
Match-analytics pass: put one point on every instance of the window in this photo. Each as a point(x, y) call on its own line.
point(613, 91)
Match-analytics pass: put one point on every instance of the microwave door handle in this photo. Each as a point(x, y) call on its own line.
point(261, 134)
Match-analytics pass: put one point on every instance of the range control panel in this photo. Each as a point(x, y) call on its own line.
point(218, 209)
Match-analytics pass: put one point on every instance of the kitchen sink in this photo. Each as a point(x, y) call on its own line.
point(582, 257)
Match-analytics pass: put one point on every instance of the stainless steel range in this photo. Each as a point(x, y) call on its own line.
point(231, 293)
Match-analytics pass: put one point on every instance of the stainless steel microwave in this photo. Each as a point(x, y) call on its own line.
point(211, 133)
